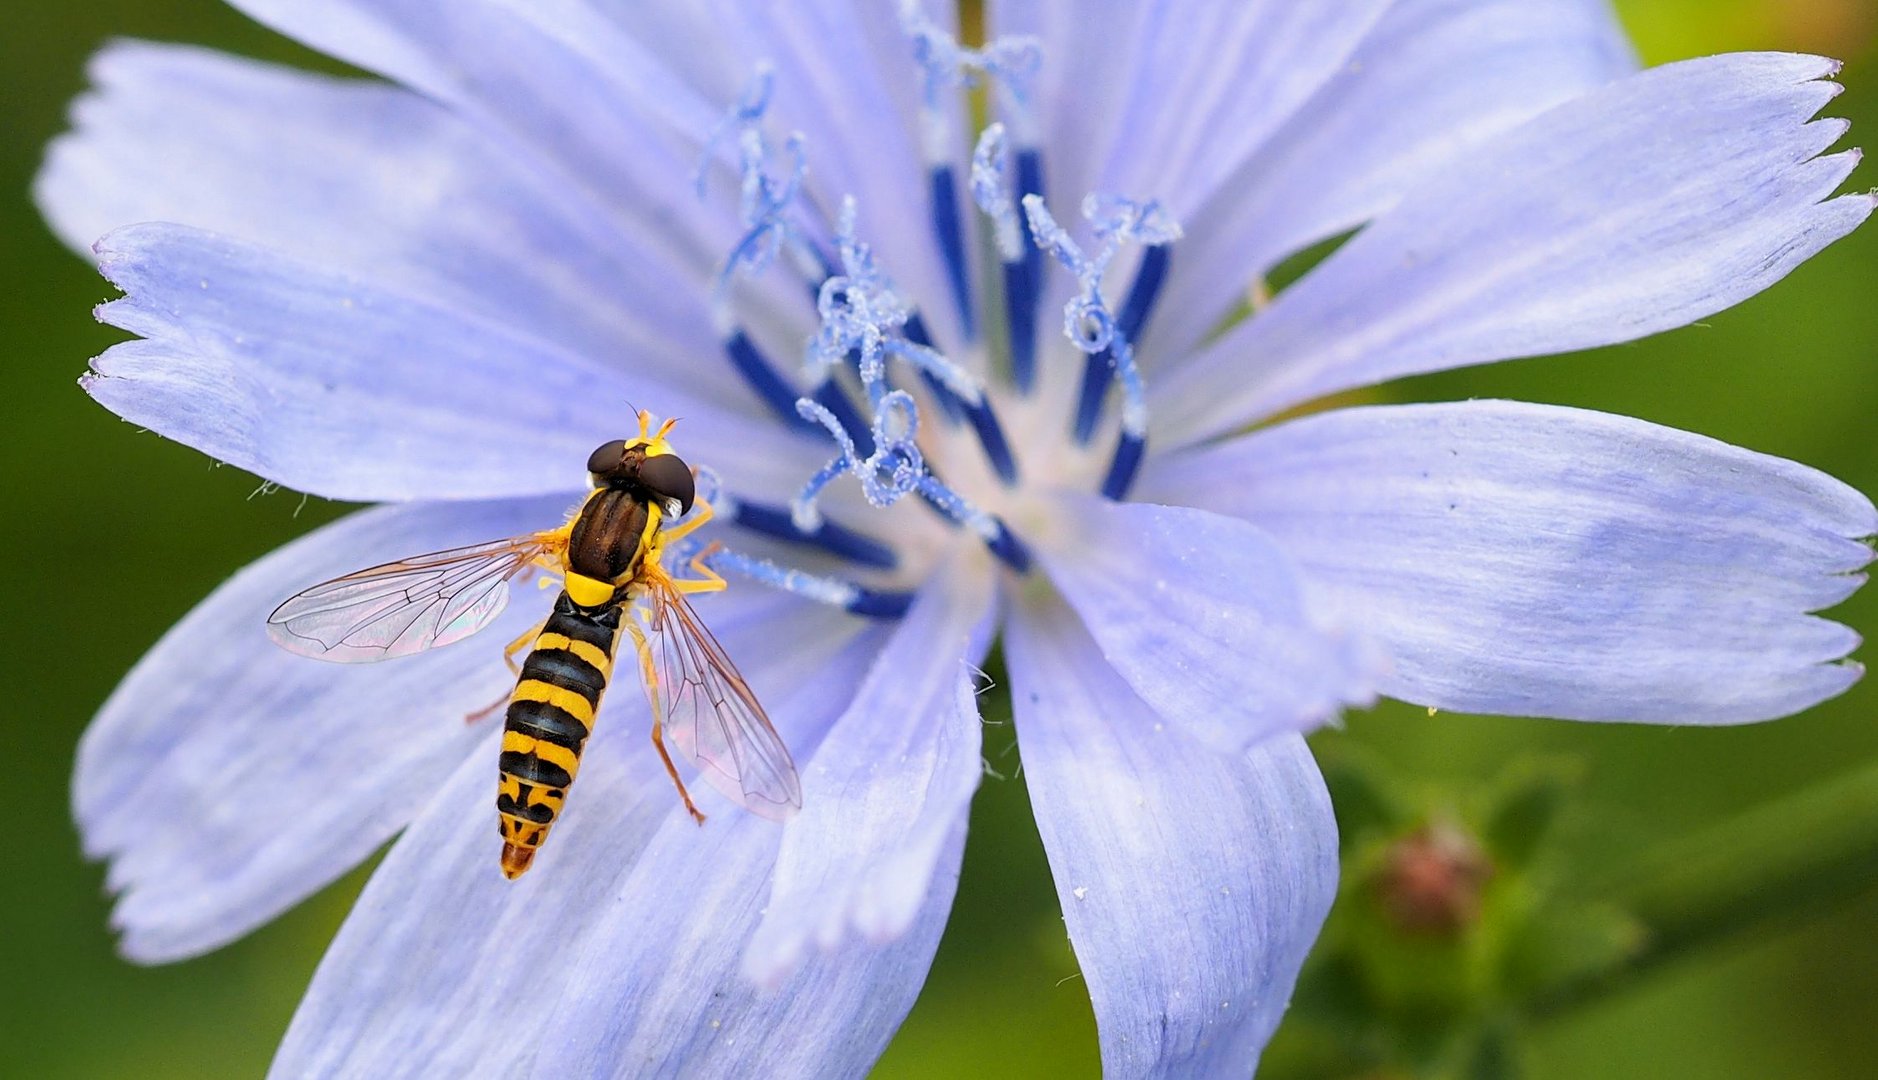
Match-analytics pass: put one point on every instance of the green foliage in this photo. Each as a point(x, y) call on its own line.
point(1449, 925)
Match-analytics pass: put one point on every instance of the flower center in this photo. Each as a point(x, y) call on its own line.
point(903, 418)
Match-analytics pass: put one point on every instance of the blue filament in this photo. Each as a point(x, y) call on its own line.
point(1030, 180)
point(984, 421)
point(942, 67)
point(1086, 318)
point(1097, 367)
point(916, 332)
point(945, 65)
point(1009, 549)
point(780, 395)
point(838, 540)
point(880, 603)
point(835, 592)
point(1021, 261)
point(1149, 277)
point(1129, 450)
point(1132, 444)
point(1022, 302)
point(762, 376)
point(949, 230)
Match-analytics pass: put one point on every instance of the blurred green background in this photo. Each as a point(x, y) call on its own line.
point(112, 534)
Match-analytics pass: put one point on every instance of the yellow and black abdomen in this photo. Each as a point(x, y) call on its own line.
point(550, 716)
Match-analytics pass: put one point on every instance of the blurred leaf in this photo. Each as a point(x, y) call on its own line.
point(1568, 943)
point(1369, 798)
point(1496, 1055)
point(1524, 806)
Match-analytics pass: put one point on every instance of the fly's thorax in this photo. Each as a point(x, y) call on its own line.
point(608, 537)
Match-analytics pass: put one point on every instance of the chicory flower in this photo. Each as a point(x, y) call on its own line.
point(441, 290)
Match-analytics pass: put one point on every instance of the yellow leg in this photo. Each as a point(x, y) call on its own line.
point(515, 669)
point(648, 670)
point(707, 581)
point(701, 512)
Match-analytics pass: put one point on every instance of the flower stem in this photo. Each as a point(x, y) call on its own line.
point(1771, 867)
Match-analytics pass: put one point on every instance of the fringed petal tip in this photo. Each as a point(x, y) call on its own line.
point(1643, 206)
point(1534, 560)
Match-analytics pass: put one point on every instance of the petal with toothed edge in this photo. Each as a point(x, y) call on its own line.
point(889, 786)
point(376, 183)
point(1535, 560)
point(1646, 205)
point(1207, 619)
point(1434, 78)
point(1193, 882)
point(224, 779)
point(446, 968)
point(321, 383)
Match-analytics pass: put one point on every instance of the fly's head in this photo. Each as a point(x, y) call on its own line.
point(646, 467)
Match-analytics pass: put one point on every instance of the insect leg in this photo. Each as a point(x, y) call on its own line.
point(708, 580)
point(515, 669)
point(648, 671)
point(701, 512)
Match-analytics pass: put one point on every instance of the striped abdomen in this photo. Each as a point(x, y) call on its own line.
point(549, 719)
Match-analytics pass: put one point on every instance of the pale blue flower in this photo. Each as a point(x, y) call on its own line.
point(439, 292)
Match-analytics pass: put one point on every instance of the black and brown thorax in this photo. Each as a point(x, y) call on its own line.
point(637, 485)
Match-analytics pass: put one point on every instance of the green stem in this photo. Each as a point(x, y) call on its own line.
point(1774, 865)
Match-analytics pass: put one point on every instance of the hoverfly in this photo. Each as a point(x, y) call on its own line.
point(609, 557)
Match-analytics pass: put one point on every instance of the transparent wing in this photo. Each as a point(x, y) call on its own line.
point(711, 717)
point(407, 606)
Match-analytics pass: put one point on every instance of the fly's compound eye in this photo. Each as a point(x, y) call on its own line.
point(668, 477)
point(605, 462)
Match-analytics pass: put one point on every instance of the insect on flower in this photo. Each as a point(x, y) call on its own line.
point(609, 556)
